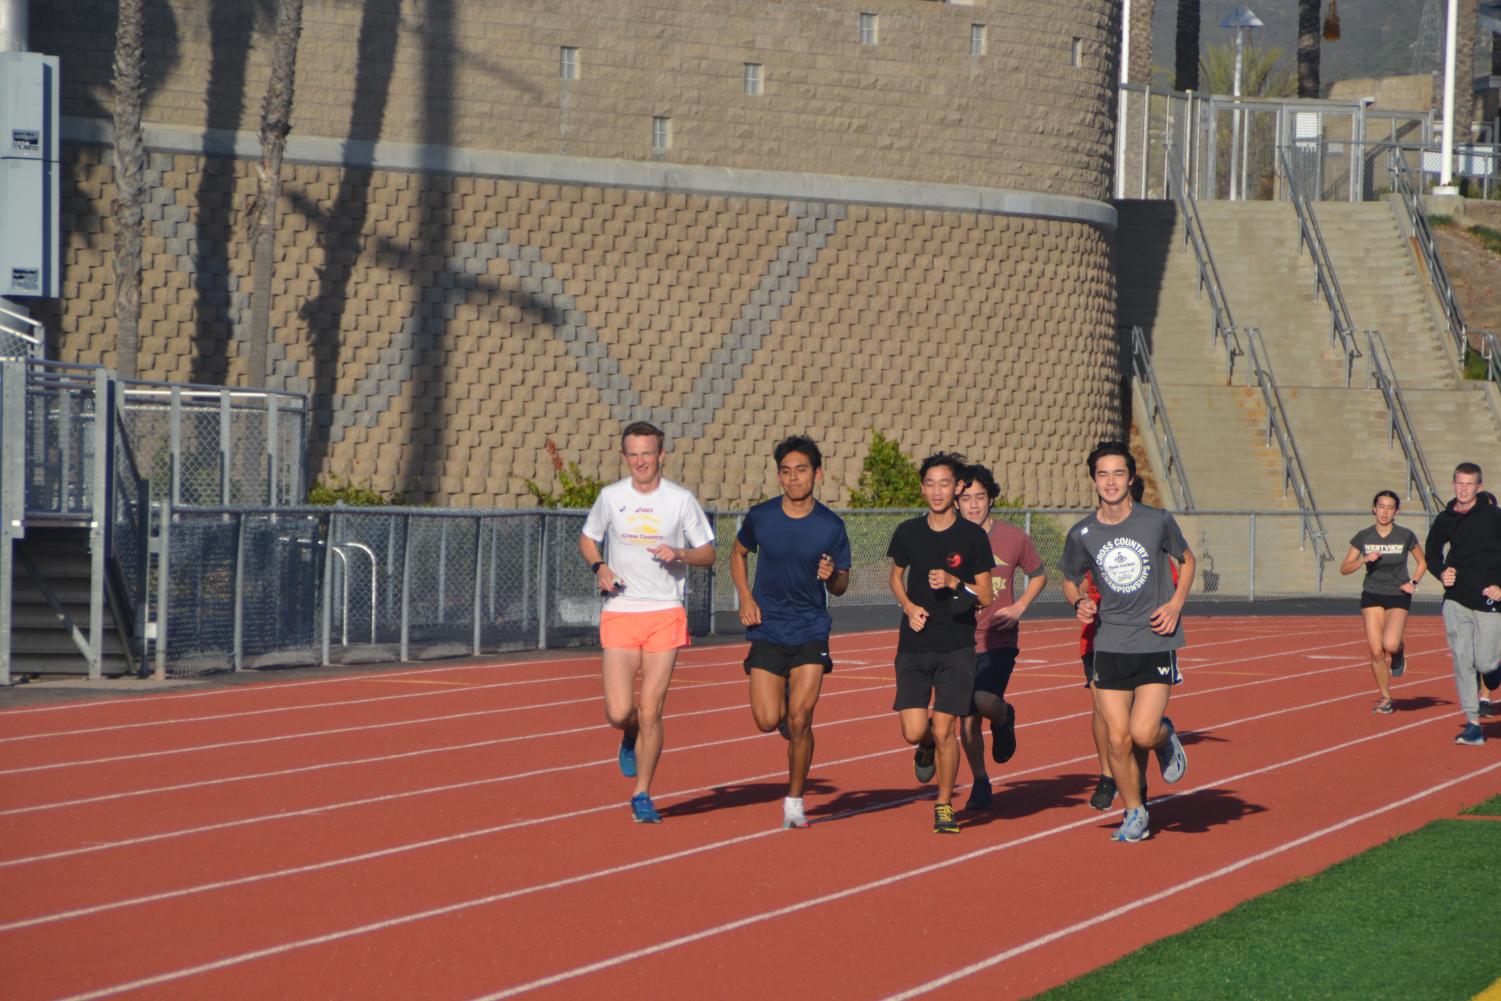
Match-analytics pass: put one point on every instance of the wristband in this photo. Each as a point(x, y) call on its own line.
point(594, 567)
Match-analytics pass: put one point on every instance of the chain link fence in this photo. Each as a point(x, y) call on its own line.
point(258, 587)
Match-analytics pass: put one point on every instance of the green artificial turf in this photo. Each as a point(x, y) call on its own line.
point(1410, 920)
point(1490, 808)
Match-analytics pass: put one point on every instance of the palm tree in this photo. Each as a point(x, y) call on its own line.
point(1186, 71)
point(276, 123)
point(130, 184)
point(1308, 47)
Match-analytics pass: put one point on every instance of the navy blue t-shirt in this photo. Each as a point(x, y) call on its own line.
point(794, 604)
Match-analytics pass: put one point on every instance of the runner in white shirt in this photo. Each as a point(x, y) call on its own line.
point(653, 530)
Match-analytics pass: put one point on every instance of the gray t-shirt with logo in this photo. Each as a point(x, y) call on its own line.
point(1388, 574)
point(1130, 565)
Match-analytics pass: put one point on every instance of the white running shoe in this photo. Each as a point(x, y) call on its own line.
point(792, 814)
point(1134, 827)
point(1170, 755)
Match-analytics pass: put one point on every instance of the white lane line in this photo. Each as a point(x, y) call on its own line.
point(106, 797)
point(893, 879)
point(251, 741)
point(513, 825)
point(273, 710)
point(764, 916)
point(1225, 870)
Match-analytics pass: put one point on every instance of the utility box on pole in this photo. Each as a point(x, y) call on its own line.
point(30, 175)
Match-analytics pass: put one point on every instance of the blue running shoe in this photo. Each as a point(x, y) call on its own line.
point(1134, 828)
point(1470, 735)
point(627, 756)
point(1170, 756)
point(1399, 661)
point(642, 810)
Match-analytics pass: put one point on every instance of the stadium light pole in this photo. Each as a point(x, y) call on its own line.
point(1241, 18)
point(1446, 143)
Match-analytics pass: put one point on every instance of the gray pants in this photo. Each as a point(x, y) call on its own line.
point(1475, 644)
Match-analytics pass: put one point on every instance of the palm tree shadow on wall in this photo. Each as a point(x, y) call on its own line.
point(232, 26)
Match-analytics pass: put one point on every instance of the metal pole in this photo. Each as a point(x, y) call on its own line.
point(542, 588)
point(328, 590)
point(271, 450)
point(1240, 41)
point(494, 531)
point(1251, 583)
point(239, 649)
point(442, 568)
point(479, 576)
point(714, 523)
point(406, 589)
point(99, 516)
point(224, 415)
point(390, 567)
point(12, 492)
point(66, 401)
point(174, 442)
point(1146, 123)
point(163, 587)
point(1446, 144)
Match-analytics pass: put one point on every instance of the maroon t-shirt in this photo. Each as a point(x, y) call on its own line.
point(1012, 550)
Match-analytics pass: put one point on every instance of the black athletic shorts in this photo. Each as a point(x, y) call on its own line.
point(1087, 658)
point(993, 673)
point(947, 675)
point(780, 660)
point(1126, 672)
point(1401, 601)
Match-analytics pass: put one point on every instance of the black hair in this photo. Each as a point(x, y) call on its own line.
point(1105, 448)
point(953, 460)
point(981, 475)
point(643, 429)
point(1470, 469)
point(1138, 489)
point(798, 443)
point(1386, 493)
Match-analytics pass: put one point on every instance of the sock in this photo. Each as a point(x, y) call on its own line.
point(792, 803)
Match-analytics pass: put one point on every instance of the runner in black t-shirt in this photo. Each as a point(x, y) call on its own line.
point(940, 572)
point(1386, 592)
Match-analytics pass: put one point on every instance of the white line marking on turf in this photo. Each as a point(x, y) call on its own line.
point(513, 825)
point(759, 918)
point(1189, 884)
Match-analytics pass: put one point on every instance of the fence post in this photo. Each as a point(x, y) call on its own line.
point(714, 523)
point(270, 449)
point(12, 491)
point(1146, 135)
point(224, 447)
point(328, 590)
point(238, 660)
point(406, 588)
point(479, 570)
point(542, 587)
point(163, 588)
point(99, 516)
point(442, 570)
point(1251, 583)
point(174, 444)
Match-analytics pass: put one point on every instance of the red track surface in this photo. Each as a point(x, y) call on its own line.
point(462, 831)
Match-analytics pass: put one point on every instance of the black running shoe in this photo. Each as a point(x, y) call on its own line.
point(922, 764)
point(1485, 710)
point(1492, 678)
point(1104, 793)
point(1399, 661)
point(980, 797)
point(943, 820)
point(1003, 740)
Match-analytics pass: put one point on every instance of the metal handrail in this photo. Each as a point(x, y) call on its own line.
point(1400, 428)
point(1402, 183)
point(1490, 352)
point(1293, 472)
point(1224, 329)
point(1325, 281)
point(1167, 444)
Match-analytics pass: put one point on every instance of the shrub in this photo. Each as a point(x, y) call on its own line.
point(336, 491)
point(888, 477)
point(575, 488)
